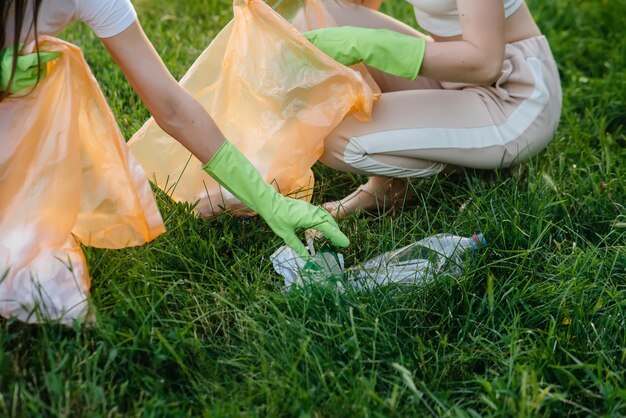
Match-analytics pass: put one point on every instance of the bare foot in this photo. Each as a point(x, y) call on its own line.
point(378, 193)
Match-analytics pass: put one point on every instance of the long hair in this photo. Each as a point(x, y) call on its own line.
point(20, 8)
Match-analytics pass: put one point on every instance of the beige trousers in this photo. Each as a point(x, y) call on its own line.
point(419, 127)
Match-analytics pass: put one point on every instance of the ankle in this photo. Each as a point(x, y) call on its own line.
point(383, 187)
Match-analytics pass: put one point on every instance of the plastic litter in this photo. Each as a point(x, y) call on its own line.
point(325, 266)
point(272, 94)
point(67, 177)
point(417, 263)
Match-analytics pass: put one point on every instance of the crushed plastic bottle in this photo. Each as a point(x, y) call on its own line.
point(325, 266)
point(417, 263)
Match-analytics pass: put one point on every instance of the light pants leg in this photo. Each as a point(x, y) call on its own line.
point(420, 126)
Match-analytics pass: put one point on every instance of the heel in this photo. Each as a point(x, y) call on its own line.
point(386, 200)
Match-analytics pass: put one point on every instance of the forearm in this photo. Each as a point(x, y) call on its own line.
point(173, 108)
point(477, 56)
point(187, 122)
point(460, 61)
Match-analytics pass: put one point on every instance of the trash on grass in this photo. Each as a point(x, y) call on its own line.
point(417, 263)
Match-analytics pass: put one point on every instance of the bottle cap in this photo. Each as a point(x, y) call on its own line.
point(479, 240)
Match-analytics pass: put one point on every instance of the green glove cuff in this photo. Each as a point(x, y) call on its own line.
point(217, 158)
point(388, 51)
point(28, 70)
point(230, 168)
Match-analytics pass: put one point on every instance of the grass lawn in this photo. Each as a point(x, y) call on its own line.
point(194, 323)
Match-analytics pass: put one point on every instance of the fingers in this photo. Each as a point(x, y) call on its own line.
point(295, 244)
point(328, 226)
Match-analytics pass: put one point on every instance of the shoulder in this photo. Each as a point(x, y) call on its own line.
point(106, 18)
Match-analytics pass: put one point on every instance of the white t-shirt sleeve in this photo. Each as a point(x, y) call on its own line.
point(106, 18)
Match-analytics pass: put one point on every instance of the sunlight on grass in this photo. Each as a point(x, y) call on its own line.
point(194, 323)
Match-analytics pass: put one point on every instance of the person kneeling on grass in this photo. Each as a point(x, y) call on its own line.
point(482, 91)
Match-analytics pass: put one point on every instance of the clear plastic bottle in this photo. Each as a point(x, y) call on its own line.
point(418, 262)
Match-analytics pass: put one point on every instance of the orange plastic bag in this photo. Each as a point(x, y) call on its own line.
point(66, 174)
point(273, 95)
point(306, 15)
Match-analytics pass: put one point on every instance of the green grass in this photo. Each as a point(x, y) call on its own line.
point(194, 323)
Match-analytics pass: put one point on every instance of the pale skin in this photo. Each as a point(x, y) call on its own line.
point(172, 107)
point(183, 118)
point(474, 57)
point(477, 54)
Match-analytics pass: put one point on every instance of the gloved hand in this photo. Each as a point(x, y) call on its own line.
point(284, 215)
point(388, 51)
point(27, 70)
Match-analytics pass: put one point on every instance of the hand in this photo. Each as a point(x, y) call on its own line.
point(28, 70)
point(339, 43)
point(288, 215)
point(388, 51)
point(284, 215)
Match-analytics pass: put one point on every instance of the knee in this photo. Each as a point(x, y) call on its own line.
point(336, 156)
point(333, 155)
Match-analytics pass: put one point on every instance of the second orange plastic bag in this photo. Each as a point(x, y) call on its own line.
point(66, 177)
point(273, 95)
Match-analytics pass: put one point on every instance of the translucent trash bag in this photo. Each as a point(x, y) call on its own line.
point(273, 95)
point(66, 176)
point(306, 15)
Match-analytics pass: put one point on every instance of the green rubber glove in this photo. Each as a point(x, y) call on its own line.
point(388, 51)
point(284, 215)
point(27, 71)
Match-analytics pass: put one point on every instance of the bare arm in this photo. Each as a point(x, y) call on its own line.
point(475, 58)
point(173, 108)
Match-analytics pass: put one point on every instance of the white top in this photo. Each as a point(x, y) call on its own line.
point(441, 17)
point(105, 17)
